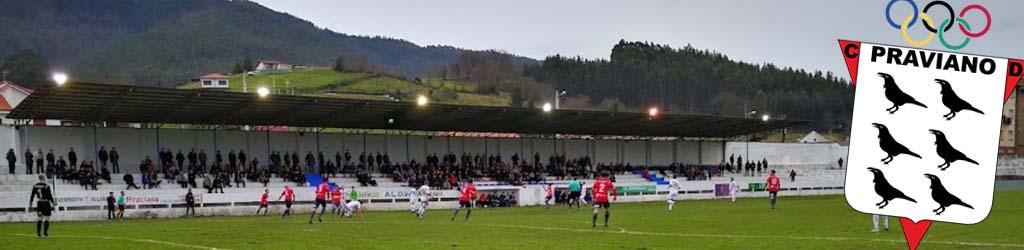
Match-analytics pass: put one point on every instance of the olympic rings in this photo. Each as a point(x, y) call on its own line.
point(889, 7)
point(988, 21)
point(961, 45)
point(903, 29)
point(944, 4)
point(946, 25)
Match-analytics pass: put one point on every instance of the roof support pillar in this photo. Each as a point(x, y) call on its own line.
point(216, 150)
point(319, 160)
point(700, 152)
point(159, 159)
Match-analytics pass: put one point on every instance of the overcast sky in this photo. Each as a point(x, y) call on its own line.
point(793, 33)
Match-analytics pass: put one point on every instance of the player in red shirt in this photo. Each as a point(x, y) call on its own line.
point(320, 202)
point(289, 196)
point(263, 202)
point(336, 196)
point(773, 187)
point(465, 199)
point(550, 191)
point(600, 192)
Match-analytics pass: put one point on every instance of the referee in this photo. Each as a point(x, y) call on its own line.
point(43, 197)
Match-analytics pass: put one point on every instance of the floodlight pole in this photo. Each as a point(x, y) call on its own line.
point(245, 84)
point(270, 161)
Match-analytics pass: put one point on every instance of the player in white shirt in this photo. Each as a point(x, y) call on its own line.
point(875, 218)
point(354, 206)
point(424, 197)
point(673, 190)
point(733, 188)
point(414, 200)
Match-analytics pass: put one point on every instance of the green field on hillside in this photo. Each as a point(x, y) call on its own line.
point(825, 222)
point(301, 80)
point(329, 83)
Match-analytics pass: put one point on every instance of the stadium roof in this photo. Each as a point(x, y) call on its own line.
point(91, 102)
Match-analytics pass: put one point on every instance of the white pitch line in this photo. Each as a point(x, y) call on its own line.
point(817, 238)
point(130, 239)
point(697, 235)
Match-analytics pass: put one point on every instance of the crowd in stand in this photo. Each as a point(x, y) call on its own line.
point(197, 169)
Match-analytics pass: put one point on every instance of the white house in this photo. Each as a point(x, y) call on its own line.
point(273, 66)
point(814, 137)
point(11, 94)
point(214, 81)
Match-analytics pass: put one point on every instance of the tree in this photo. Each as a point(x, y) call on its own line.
point(248, 65)
point(27, 68)
point(339, 64)
point(237, 69)
point(518, 98)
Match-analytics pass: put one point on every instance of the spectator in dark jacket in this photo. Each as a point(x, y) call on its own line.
point(11, 159)
point(130, 180)
point(28, 161)
point(103, 156)
point(73, 158)
point(114, 160)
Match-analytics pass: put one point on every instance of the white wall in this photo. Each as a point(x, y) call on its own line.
point(789, 153)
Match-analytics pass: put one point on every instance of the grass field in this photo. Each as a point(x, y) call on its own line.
point(799, 223)
point(300, 80)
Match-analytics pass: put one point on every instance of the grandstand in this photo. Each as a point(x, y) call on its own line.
point(142, 121)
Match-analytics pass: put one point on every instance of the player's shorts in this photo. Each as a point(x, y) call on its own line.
point(547, 197)
point(465, 204)
point(263, 205)
point(120, 207)
point(773, 193)
point(320, 203)
point(604, 204)
point(287, 204)
point(672, 195)
point(336, 203)
point(574, 195)
point(43, 208)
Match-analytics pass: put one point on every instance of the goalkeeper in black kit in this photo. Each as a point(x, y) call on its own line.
point(43, 197)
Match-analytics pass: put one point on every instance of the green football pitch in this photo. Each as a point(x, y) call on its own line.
point(824, 222)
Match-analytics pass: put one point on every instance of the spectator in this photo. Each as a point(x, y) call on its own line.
point(792, 175)
point(180, 159)
point(115, 159)
point(192, 157)
point(179, 177)
point(218, 159)
point(241, 158)
point(73, 158)
point(105, 174)
point(208, 184)
point(28, 161)
point(11, 159)
point(50, 159)
point(103, 156)
point(39, 162)
point(202, 161)
point(232, 160)
point(130, 181)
